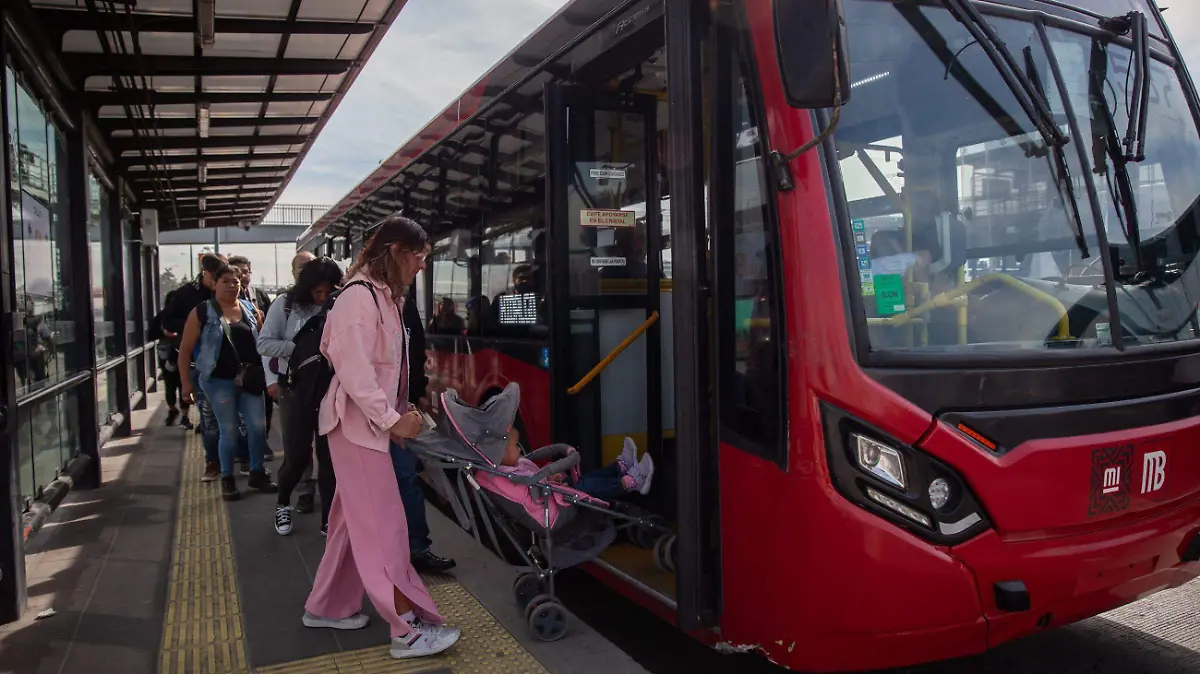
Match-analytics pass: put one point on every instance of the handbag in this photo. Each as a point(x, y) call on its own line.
point(250, 377)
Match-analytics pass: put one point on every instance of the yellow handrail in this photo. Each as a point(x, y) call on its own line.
point(612, 355)
point(953, 297)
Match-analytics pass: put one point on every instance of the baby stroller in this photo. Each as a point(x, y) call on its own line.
point(566, 526)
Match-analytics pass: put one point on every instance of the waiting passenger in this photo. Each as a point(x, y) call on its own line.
point(365, 408)
point(446, 320)
point(287, 315)
point(223, 334)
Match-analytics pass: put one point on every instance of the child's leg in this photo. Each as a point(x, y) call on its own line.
point(602, 483)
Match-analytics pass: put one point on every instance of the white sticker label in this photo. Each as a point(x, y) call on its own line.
point(598, 218)
point(608, 173)
point(608, 262)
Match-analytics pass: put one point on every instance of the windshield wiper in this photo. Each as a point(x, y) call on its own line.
point(1134, 25)
point(1106, 146)
point(1034, 106)
point(1059, 169)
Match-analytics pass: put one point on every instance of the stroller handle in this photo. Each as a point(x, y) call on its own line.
point(563, 465)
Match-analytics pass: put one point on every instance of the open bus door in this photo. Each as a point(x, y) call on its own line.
point(606, 298)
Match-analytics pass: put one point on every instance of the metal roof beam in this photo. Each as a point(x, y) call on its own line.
point(141, 97)
point(113, 123)
point(194, 184)
point(189, 174)
point(64, 20)
point(167, 160)
point(92, 65)
point(187, 142)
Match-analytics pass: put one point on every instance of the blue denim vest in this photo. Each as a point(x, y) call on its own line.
point(208, 347)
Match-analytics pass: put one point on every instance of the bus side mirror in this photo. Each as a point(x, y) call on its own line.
point(811, 40)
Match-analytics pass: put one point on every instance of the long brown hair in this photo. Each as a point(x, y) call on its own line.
point(376, 259)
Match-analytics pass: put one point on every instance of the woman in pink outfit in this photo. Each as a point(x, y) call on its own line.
point(367, 549)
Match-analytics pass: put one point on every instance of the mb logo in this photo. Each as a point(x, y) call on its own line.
point(1154, 471)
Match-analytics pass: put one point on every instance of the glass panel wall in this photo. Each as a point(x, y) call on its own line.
point(133, 301)
point(47, 347)
point(104, 277)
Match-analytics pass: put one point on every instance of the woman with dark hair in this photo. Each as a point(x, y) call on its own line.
point(222, 334)
point(364, 409)
point(287, 315)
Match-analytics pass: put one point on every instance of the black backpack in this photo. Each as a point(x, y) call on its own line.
point(309, 372)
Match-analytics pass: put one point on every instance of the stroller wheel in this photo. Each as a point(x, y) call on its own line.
point(644, 536)
point(659, 557)
point(536, 602)
point(526, 587)
point(548, 621)
point(669, 553)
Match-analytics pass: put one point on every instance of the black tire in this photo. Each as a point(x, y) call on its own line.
point(536, 602)
point(548, 622)
point(528, 587)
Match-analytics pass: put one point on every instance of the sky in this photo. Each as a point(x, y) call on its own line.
point(431, 54)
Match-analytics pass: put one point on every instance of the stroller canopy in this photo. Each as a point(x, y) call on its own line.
point(483, 429)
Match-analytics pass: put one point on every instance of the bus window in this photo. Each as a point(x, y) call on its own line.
point(751, 367)
point(451, 290)
point(510, 273)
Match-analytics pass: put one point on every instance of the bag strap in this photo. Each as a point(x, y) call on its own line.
point(374, 297)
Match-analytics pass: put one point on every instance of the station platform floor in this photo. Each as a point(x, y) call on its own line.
point(154, 573)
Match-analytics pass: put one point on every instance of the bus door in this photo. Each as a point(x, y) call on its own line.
point(605, 241)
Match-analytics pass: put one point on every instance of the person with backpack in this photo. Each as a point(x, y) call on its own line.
point(287, 316)
point(365, 407)
point(223, 335)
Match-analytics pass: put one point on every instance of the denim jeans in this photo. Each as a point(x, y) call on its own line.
point(233, 408)
point(602, 483)
point(210, 432)
point(404, 463)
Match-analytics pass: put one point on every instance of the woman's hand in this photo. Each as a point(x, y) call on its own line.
point(408, 427)
point(273, 391)
point(185, 393)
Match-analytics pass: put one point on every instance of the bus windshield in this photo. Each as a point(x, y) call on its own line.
point(972, 230)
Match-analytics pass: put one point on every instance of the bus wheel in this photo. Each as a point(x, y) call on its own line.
point(527, 587)
point(548, 622)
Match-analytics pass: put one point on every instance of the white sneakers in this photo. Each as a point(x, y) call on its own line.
point(354, 622)
point(642, 474)
point(628, 458)
point(424, 640)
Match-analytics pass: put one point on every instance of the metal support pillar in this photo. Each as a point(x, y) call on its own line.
point(12, 556)
point(114, 293)
point(79, 201)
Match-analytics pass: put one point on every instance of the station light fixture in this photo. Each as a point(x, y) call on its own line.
point(203, 204)
point(206, 23)
point(202, 173)
point(201, 223)
point(203, 110)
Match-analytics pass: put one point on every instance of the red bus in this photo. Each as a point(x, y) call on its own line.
point(908, 288)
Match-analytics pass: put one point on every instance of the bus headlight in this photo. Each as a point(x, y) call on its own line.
point(880, 460)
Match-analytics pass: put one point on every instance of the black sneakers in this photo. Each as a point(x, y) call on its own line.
point(260, 481)
point(427, 562)
point(229, 490)
point(304, 504)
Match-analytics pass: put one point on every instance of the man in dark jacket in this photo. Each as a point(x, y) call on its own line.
point(405, 462)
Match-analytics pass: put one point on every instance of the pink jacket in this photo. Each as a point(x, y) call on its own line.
point(370, 364)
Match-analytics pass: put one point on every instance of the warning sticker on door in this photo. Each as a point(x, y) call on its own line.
point(608, 173)
point(608, 262)
point(599, 218)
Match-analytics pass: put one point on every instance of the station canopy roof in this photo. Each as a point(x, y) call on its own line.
point(209, 112)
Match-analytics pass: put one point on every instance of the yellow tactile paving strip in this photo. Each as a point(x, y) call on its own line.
point(203, 632)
